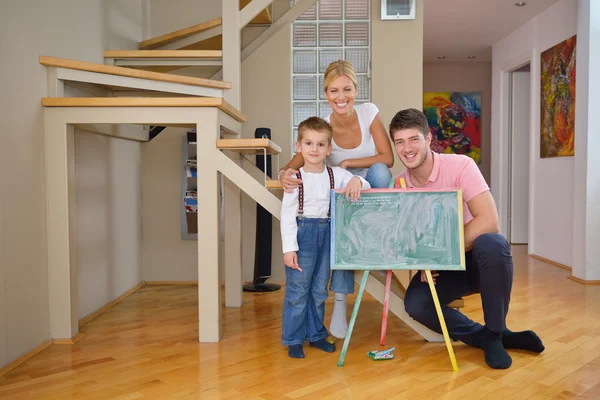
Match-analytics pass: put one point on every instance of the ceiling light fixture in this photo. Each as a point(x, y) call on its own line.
point(441, 57)
point(520, 3)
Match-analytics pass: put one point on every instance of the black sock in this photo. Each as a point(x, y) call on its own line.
point(295, 351)
point(525, 340)
point(495, 355)
point(324, 345)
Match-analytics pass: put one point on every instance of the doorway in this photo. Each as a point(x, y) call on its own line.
point(519, 153)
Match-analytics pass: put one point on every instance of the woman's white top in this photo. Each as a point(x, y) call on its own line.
point(316, 201)
point(366, 113)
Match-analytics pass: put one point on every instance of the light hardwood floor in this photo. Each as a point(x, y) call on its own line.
point(146, 347)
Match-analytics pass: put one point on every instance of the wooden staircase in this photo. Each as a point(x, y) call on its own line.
point(139, 91)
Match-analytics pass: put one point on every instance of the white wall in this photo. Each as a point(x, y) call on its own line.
point(551, 197)
point(166, 256)
point(109, 224)
point(29, 28)
point(586, 221)
point(466, 77)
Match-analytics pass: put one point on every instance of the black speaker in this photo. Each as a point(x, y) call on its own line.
point(264, 232)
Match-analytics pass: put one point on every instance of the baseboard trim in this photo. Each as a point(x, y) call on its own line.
point(105, 308)
point(73, 340)
point(559, 265)
point(583, 281)
point(24, 357)
point(172, 283)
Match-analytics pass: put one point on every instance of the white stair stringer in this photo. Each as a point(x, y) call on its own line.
point(376, 289)
point(248, 184)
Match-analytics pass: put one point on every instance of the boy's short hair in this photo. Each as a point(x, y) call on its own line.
point(409, 119)
point(315, 124)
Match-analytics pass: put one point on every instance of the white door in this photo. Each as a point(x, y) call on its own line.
point(519, 177)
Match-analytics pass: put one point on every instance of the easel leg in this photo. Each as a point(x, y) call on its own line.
point(363, 283)
point(386, 306)
point(438, 308)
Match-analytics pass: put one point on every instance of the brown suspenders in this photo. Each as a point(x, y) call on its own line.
point(301, 192)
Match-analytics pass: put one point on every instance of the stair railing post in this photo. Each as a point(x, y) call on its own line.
point(232, 201)
point(232, 52)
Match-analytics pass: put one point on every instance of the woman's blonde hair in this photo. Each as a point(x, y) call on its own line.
point(339, 68)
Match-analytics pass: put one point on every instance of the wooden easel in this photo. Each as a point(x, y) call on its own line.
point(388, 282)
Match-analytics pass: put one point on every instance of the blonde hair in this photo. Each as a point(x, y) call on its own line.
point(315, 124)
point(339, 68)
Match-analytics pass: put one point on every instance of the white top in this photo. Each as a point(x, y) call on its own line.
point(316, 202)
point(366, 113)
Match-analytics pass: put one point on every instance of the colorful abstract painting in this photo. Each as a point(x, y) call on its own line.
point(557, 115)
point(454, 122)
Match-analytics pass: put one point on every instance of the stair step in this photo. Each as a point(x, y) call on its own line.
point(167, 38)
point(249, 146)
point(264, 17)
point(145, 102)
point(165, 60)
point(163, 54)
point(133, 73)
point(273, 184)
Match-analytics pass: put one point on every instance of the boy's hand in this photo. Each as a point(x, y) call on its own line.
point(353, 188)
point(291, 260)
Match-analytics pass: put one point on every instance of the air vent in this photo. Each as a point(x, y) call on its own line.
point(397, 9)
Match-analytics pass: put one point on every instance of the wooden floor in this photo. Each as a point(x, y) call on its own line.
point(146, 347)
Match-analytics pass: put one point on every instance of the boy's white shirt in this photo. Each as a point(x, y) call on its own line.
point(316, 201)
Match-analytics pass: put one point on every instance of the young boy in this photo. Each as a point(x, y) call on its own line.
point(305, 238)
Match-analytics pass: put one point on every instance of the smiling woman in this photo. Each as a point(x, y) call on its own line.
point(360, 145)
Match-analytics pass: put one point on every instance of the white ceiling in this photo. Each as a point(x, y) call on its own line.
point(461, 28)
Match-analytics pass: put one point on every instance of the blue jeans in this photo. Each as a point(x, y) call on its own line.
point(378, 176)
point(489, 272)
point(306, 290)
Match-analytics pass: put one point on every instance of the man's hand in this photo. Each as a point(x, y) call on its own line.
point(290, 259)
point(288, 179)
point(424, 276)
point(353, 188)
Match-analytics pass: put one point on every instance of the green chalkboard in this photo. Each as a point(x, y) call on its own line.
point(398, 229)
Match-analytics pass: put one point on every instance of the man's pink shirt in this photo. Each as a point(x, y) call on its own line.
point(452, 171)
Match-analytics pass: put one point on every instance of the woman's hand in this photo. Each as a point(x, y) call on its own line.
point(353, 188)
point(345, 164)
point(288, 179)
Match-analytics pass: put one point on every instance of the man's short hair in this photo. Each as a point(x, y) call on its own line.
point(409, 119)
point(315, 124)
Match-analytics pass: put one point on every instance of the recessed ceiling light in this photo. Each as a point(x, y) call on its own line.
point(520, 3)
point(441, 57)
point(471, 57)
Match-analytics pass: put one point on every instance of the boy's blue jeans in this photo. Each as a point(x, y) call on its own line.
point(306, 290)
point(378, 176)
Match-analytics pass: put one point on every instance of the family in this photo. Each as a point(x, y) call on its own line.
point(350, 150)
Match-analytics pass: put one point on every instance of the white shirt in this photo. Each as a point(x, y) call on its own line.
point(316, 201)
point(366, 113)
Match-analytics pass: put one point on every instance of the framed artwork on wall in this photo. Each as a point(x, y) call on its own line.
point(557, 97)
point(454, 122)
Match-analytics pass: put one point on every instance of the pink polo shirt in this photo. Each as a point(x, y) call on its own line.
point(452, 171)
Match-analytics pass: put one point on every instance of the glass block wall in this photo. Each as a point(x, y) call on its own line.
point(329, 30)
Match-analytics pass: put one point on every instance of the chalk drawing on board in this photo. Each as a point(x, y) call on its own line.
point(398, 229)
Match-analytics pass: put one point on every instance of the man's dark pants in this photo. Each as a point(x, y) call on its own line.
point(489, 272)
